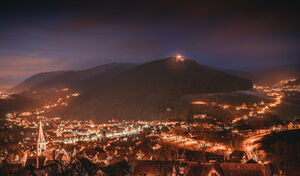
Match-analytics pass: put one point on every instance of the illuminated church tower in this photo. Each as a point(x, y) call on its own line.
point(41, 143)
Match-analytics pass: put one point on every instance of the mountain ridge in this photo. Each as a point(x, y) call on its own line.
point(62, 79)
point(34, 80)
point(149, 88)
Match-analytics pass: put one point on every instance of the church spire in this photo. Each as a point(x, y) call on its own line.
point(41, 143)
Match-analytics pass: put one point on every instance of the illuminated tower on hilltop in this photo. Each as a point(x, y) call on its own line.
point(179, 58)
point(41, 143)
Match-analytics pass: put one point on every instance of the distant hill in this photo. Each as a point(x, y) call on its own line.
point(71, 79)
point(141, 91)
point(17, 103)
point(136, 91)
point(167, 76)
point(35, 80)
point(293, 83)
point(100, 79)
point(74, 78)
point(240, 73)
point(276, 74)
point(269, 76)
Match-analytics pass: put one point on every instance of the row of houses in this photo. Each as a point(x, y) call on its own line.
point(169, 168)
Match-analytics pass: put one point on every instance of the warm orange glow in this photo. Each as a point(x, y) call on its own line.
point(226, 106)
point(178, 56)
point(75, 94)
point(198, 102)
point(65, 89)
point(81, 132)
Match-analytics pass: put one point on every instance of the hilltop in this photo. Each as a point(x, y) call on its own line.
point(149, 88)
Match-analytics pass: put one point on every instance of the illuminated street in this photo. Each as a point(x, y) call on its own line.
point(149, 88)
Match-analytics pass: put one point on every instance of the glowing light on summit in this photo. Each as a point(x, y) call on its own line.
point(179, 58)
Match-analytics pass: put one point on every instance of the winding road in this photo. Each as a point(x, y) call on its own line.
point(251, 146)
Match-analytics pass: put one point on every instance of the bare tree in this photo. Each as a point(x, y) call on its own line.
point(170, 159)
point(201, 134)
point(281, 150)
point(60, 168)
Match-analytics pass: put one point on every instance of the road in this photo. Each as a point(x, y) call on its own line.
point(252, 146)
point(192, 144)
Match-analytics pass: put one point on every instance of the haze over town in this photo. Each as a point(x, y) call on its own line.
point(162, 88)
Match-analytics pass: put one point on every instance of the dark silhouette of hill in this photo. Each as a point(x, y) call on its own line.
point(71, 79)
point(132, 91)
point(35, 80)
point(167, 76)
point(99, 79)
point(274, 75)
point(141, 92)
point(18, 103)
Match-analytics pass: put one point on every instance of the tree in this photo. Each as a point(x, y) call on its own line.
point(77, 166)
point(201, 134)
point(169, 157)
point(281, 149)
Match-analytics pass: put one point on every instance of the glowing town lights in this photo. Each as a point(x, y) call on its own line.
point(225, 106)
point(64, 104)
point(25, 114)
point(78, 132)
point(236, 119)
point(65, 89)
point(181, 140)
point(198, 102)
point(286, 81)
point(5, 96)
point(75, 94)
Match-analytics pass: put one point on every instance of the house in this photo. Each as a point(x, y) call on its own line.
point(64, 158)
point(33, 161)
point(237, 156)
point(212, 157)
point(172, 168)
point(153, 168)
point(297, 124)
point(245, 169)
point(290, 126)
point(121, 168)
point(147, 167)
point(204, 169)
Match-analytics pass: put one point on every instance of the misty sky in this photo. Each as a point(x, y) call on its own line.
point(38, 36)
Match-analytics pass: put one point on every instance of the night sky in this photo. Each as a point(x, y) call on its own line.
point(38, 36)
